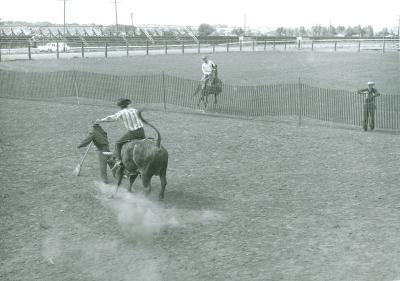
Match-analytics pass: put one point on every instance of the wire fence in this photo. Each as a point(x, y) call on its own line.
point(289, 99)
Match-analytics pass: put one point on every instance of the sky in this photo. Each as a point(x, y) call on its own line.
point(256, 13)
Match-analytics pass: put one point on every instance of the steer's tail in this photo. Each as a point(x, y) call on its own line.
point(158, 133)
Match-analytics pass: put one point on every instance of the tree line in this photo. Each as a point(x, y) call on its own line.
point(315, 31)
point(323, 31)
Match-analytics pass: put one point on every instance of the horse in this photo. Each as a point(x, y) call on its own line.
point(213, 86)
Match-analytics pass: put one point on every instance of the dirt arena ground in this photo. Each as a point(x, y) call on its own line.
point(336, 70)
point(245, 200)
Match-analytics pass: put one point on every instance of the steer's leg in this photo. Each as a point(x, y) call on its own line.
point(119, 175)
point(146, 180)
point(163, 179)
point(131, 181)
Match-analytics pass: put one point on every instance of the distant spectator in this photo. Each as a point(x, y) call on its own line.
point(369, 108)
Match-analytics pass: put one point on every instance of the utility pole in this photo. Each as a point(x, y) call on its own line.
point(116, 15)
point(64, 22)
point(64, 17)
point(244, 24)
point(398, 31)
point(132, 19)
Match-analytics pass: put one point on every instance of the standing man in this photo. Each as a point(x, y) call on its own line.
point(370, 94)
point(207, 68)
point(132, 123)
point(99, 138)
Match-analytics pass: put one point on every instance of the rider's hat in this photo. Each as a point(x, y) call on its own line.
point(204, 57)
point(371, 83)
point(123, 102)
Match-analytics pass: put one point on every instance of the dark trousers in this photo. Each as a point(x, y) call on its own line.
point(369, 115)
point(103, 162)
point(130, 135)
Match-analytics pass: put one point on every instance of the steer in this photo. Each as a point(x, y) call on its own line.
point(146, 157)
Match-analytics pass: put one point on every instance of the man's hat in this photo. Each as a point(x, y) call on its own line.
point(370, 83)
point(204, 57)
point(123, 102)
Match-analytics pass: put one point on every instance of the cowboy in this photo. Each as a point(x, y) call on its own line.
point(99, 138)
point(369, 107)
point(132, 123)
point(207, 68)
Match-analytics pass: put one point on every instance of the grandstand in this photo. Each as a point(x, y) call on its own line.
point(92, 35)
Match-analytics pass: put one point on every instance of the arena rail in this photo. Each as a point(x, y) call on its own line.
point(289, 99)
point(24, 48)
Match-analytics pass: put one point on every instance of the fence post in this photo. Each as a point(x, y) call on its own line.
point(0, 52)
point(166, 47)
point(384, 43)
point(273, 45)
point(29, 51)
point(300, 102)
point(105, 50)
point(253, 45)
point(183, 47)
point(359, 46)
point(285, 44)
point(312, 45)
point(227, 46)
point(164, 91)
point(335, 45)
point(127, 48)
point(83, 50)
point(58, 51)
point(214, 47)
point(76, 87)
point(147, 48)
point(265, 45)
point(240, 45)
point(298, 44)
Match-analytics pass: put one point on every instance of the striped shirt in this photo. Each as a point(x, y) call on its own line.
point(129, 117)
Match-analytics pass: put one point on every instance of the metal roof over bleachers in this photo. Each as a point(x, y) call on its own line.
point(82, 30)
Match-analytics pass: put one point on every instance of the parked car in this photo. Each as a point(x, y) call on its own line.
point(52, 47)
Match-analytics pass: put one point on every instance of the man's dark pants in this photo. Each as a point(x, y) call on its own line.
point(103, 161)
point(369, 114)
point(130, 135)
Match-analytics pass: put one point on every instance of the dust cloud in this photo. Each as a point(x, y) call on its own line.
point(140, 217)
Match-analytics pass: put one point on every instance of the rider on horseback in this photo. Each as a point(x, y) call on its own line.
point(207, 67)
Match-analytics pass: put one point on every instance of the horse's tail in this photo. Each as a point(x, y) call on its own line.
point(147, 123)
point(197, 90)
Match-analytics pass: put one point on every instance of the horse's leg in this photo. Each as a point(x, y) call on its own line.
point(200, 98)
point(205, 100)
